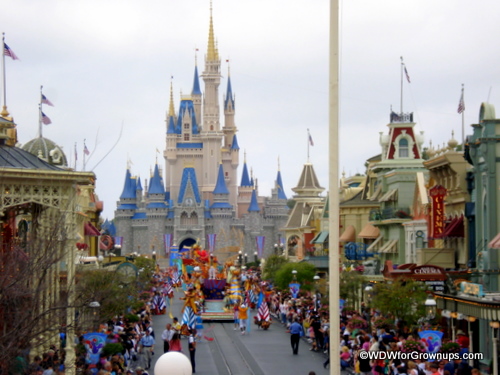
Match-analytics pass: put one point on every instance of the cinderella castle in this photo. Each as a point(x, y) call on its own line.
point(200, 197)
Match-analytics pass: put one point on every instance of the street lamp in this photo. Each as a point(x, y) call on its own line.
point(294, 273)
point(95, 305)
point(246, 258)
point(240, 257)
point(430, 307)
point(256, 256)
point(154, 254)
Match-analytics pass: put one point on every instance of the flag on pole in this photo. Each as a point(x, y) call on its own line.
point(86, 150)
point(8, 52)
point(46, 101)
point(407, 75)
point(461, 103)
point(260, 244)
point(76, 154)
point(311, 140)
point(45, 119)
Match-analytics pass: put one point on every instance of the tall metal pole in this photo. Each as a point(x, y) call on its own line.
point(333, 183)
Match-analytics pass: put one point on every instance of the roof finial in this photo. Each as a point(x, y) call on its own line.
point(279, 167)
point(212, 53)
point(171, 110)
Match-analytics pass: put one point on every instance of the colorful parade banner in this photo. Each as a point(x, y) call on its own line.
point(168, 238)
point(260, 244)
point(294, 289)
point(211, 242)
point(94, 342)
point(432, 340)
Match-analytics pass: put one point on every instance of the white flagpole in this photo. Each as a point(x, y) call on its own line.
point(84, 145)
point(40, 114)
point(401, 105)
point(333, 181)
point(3, 77)
point(463, 116)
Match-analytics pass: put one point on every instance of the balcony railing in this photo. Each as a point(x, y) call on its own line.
point(390, 213)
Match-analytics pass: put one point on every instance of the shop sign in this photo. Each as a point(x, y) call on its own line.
point(436, 224)
point(472, 289)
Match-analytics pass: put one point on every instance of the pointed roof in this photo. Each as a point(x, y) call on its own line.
point(212, 51)
point(281, 190)
point(129, 187)
point(139, 185)
point(171, 125)
point(245, 177)
point(196, 82)
point(254, 206)
point(189, 178)
point(187, 109)
point(156, 183)
point(220, 187)
point(308, 182)
point(171, 113)
point(234, 144)
point(229, 95)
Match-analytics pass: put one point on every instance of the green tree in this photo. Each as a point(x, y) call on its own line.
point(272, 265)
point(351, 287)
point(105, 287)
point(403, 299)
point(304, 276)
point(147, 268)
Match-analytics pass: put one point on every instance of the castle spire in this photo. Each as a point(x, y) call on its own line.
point(171, 109)
point(212, 51)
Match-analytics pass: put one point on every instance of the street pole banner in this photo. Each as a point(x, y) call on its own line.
point(167, 238)
point(211, 242)
point(94, 342)
point(260, 244)
point(432, 340)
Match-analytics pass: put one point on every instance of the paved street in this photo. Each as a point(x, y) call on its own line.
point(256, 353)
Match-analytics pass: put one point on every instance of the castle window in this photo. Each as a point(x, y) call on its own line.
point(403, 148)
point(186, 125)
point(186, 136)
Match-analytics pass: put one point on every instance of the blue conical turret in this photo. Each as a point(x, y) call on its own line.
point(156, 183)
point(245, 177)
point(196, 83)
point(281, 190)
point(128, 187)
point(254, 206)
point(220, 187)
point(234, 144)
point(229, 102)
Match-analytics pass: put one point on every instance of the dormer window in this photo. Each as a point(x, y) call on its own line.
point(186, 126)
point(403, 148)
point(186, 136)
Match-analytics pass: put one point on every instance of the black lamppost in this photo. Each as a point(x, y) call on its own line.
point(246, 258)
point(256, 256)
point(430, 307)
point(240, 258)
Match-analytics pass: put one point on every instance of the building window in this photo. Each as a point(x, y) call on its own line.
point(186, 136)
point(403, 148)
point(186, 125)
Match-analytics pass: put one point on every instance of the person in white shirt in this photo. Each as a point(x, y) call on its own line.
point(166, 336)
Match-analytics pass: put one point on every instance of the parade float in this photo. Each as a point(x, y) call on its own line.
point(211, 289)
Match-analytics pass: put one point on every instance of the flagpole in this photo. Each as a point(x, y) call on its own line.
point(3, 76)
point(84, 154)
point(308, 142)
point(333, 181)
point(40, 114)
point(463, 119)
point(401, 104)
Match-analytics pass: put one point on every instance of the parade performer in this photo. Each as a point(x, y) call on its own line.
point(159, 304)
point(263, 318)
point(189, 310)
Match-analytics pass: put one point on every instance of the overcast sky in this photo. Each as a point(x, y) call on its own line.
point(107, 65)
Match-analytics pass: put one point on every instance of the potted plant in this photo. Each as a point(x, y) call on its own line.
point(410, 346)
point(450, 347)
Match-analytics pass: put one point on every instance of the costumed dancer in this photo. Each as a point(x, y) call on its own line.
point(189, 309)
point(159, 304)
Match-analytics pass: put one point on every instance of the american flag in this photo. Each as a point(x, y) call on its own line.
point(85, 149)
point(45, 119)
point(46, 101)
point(311, 140)
point(461, 103)
point(8, 52)
point(407, 75)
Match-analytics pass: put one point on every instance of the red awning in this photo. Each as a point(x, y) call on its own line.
point(454, 229)
point(349, 234)
point(90, 230)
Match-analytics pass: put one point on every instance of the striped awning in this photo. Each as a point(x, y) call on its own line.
point(390, 246)
point(321, 237)
point(495, 242)
point(369, 232)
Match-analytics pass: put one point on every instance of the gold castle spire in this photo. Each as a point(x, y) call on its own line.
point(212, 51)
point(171, 110)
